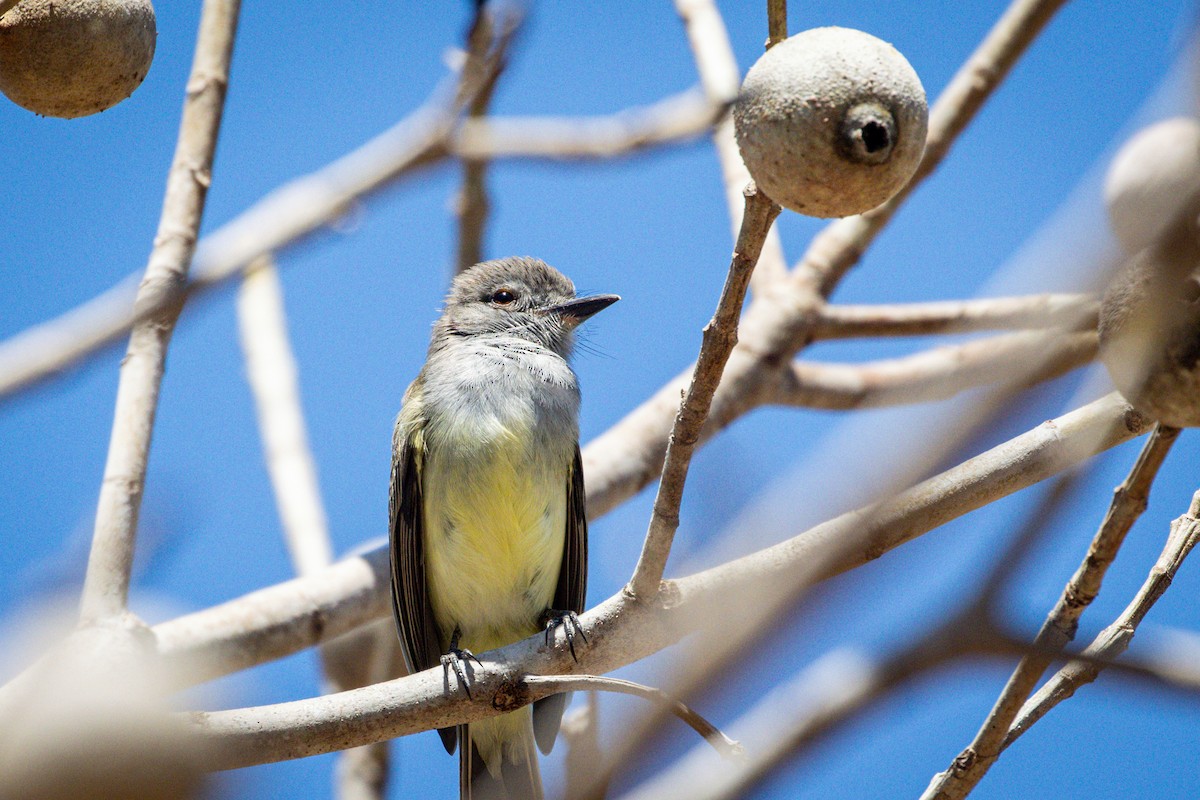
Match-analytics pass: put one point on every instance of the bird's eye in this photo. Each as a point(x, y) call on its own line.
point(503, 297)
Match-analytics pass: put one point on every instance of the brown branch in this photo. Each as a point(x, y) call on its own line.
point(1068, 311)
point(1114, 640)
point(721, 79)
point(1128, 503)
point(472, 204)
point(776, 22)
point(725, 746)
point(937, 374)
point(106, 587)
point(720, 336)
point(279, 620)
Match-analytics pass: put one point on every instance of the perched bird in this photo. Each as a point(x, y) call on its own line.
point(488, 533)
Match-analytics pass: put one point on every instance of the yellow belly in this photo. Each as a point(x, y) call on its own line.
point(495, 521)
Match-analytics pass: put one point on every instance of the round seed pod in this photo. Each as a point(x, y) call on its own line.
point(1150, 328)
point(1153, 178)
point(70, 58)
point(831, 122)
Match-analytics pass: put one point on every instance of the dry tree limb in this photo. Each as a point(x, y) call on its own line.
point(271, 371)
point(580, 731)
point(1025, 358)
point(620, 630)
point(724, 746)
point(1067, 311)
point(303, 206)
point(721, 79)
point(675, 118)
point(1128, 503)
point(361, 773)
point(279, 620)
point(844, 683)
point(840, 245)
point(106, 587)
point(1114, 640)
point(720, 336)
point(780, 322)
point(471, 204)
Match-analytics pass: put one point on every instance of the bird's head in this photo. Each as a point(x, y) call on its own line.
point(521, 297)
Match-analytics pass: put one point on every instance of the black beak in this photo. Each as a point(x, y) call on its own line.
point(576, 311)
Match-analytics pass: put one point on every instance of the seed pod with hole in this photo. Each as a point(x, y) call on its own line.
point(1153, 179)
point(70, 58)
point(831, 122)
point(1150, 327)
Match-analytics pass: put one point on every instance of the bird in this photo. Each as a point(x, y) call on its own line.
point(488, 531)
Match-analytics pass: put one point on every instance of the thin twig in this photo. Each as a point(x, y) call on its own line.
point(720, 336)
point(1114, 640)
point(106, 587)
point(931, 375)
point(583, 683)
point(776, 22)
point(472, 202)
point(271, 370)
point(1128, 503)
point(721, 79)
point(1068, 311)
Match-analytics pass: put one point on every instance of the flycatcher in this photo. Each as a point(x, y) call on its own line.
point(488, 533)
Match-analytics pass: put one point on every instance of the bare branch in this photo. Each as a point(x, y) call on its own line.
point(673, 119)
point(1114, 640)
point(622, 630)
point(282, 619)
point(1021, 358)
point(840, 245)
point(1129, 501)
point(583, 683)
point(296, 210)
point(271, 370)
point(780, 322)
point(776, 22)
point(721, 79)
point(1069, 311)
point(720, 336)
point(471, 204)
point(106, 587)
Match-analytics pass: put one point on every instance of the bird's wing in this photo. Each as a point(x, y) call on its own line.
point(410, 597)
point(571, 595)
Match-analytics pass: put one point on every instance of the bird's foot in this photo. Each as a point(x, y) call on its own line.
point(569, 621)
point(456, 659)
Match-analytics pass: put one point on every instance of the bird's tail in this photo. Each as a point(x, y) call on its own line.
point(497, 759)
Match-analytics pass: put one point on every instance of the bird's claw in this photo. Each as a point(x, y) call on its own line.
point(453, 660)
point(569, 621)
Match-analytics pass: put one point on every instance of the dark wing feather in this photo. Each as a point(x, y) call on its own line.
point(410, 598)
point(571, 595)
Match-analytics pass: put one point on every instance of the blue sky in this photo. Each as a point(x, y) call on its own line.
point(83, 199)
